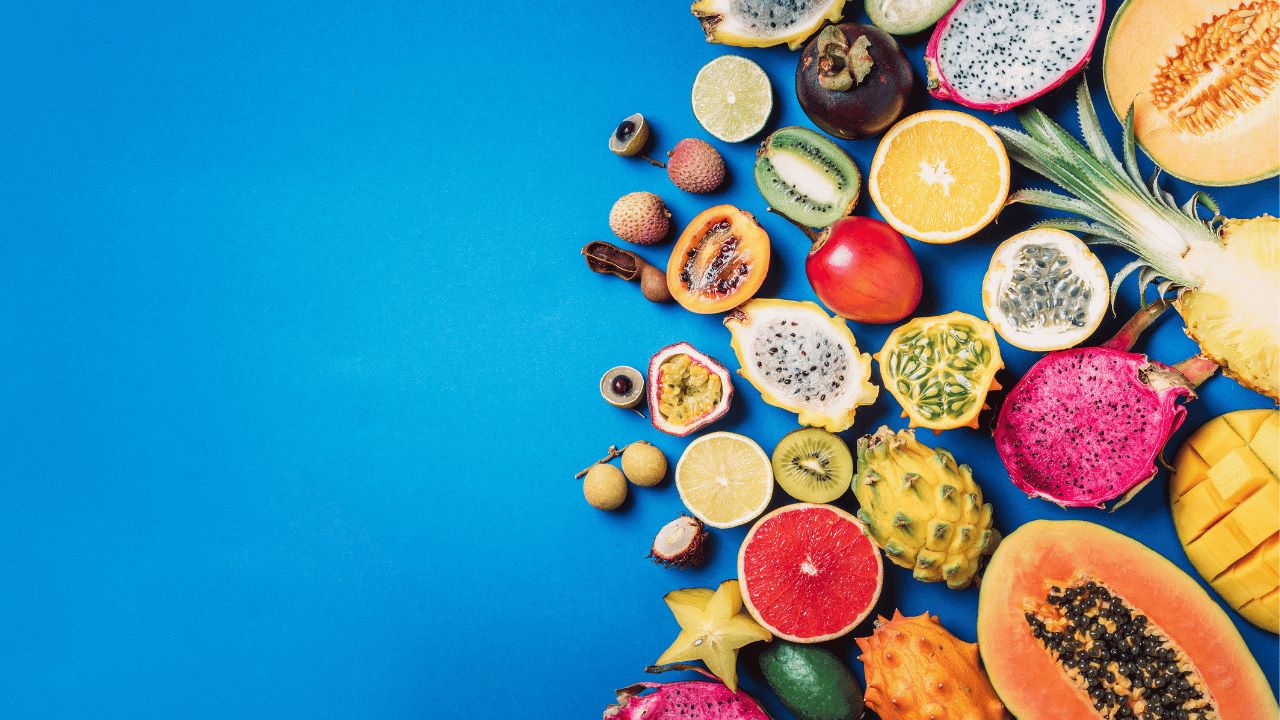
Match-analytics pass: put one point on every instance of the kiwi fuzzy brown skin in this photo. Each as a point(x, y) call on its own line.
point(870, 106)
point(813, 465)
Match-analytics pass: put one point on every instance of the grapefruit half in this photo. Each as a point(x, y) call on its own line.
point(809, 573)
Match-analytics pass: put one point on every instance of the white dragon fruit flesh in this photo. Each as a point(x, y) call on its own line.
point(998, 54)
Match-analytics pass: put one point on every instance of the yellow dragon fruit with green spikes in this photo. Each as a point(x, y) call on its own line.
point(922, 509)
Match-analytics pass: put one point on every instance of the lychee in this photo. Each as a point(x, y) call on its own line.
point(695, 166)
point(641, 218)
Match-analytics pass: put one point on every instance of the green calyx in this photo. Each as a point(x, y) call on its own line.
point(934, 521)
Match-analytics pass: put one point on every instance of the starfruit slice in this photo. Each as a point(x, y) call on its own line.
point(940, 369)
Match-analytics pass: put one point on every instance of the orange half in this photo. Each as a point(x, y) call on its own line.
point(939, 176)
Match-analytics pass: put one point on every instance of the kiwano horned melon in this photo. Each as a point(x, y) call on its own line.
point(802, 360)
point(1076, 621)
point(941, 368)
point(1225, 496)
point(916, 670)
point(1203, 77)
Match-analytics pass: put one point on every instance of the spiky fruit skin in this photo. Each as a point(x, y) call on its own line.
point(1235, 291)
point(729, 22)
point(694, 166)
point(922, 509)
point(684, 701)
point(694, 554)
point(641, 218)
point(916, 670)
point(942, 87)
point(1085, 426)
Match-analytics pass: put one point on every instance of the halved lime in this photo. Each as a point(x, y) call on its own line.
point(732, 98)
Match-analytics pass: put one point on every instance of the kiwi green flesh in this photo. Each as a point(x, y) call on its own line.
point(806, 177)
point(814, 465)
point(907, 17)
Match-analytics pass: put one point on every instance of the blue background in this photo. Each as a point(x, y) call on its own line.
point(299, 357)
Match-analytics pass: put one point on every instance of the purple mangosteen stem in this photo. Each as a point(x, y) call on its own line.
point(1137, 324)
point(1196, 369)
point(808, 231)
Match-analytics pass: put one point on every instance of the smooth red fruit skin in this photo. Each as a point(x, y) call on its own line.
point(863, 270)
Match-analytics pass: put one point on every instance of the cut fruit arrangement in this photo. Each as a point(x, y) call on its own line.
point(1074, 620)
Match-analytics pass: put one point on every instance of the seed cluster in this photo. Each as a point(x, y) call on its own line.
point(769, 15)
point(934, 369)
point(1044, 291)
point(1126, 664)
point(1242, 48)
point(1001, 50)
point(801, 360)
point(715, 264)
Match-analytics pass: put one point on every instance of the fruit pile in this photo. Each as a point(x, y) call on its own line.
point(1074, 620)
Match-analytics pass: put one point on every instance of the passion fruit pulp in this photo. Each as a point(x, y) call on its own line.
point(719, 262)
point(688, 390)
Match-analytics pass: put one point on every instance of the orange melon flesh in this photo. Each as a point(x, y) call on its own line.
point(1203, 77)
point(1045, 552)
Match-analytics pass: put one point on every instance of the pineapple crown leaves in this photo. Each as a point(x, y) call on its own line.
point(1116, 206)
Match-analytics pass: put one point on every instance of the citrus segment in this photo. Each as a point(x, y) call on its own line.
point(732, 98)
point(809, 573)
point(724, 479)
point(939, 176)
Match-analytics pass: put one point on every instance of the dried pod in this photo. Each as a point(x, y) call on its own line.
point(608, 259)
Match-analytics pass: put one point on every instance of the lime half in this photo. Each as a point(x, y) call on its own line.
point(732, 98)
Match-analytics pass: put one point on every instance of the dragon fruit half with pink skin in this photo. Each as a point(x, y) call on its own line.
point(1085, 425)
point(693, 700)
point(998, 54)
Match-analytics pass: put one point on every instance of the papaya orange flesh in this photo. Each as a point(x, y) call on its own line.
point(1028, 578)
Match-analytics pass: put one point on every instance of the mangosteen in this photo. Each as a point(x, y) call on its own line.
point(853, 80)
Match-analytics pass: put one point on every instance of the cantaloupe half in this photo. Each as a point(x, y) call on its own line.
point(1225, 499)
point(1203, 77)
point(1043, 555)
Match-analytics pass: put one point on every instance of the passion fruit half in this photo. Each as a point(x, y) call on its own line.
point(688, 390)
point(719, 262)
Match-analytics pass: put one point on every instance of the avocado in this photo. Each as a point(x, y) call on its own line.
point(811, 681)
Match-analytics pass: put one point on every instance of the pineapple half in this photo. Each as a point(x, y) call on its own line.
point(1226, 272)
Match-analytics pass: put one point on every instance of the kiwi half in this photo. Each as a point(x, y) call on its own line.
point(806, 177)
point(813, 465)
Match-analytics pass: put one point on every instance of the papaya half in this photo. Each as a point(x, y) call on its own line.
point(1076, 621)
point(1203, 78)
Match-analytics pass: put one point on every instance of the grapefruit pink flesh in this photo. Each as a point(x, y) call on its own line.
point(809, 573)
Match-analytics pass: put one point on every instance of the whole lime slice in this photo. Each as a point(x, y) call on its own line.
point(732, 98)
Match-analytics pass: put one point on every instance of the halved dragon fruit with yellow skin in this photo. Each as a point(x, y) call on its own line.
point(762, 23)
point(803, 360)
point(1084, 426)
point(998, 54)
point(693, 700)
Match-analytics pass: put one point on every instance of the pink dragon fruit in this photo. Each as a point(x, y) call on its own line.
point(998, 54)
point(1084, 426)
point(683, 700)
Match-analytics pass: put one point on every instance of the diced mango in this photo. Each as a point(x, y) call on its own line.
point(1258, 517)
point(1266, 442)
point(1215, 439)
point(1250, 578)
point(1189, 470)
point(1218, 547)
point(1239, 474)
point(1196, 511)
point(1245, 423)
point(1264, 612)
